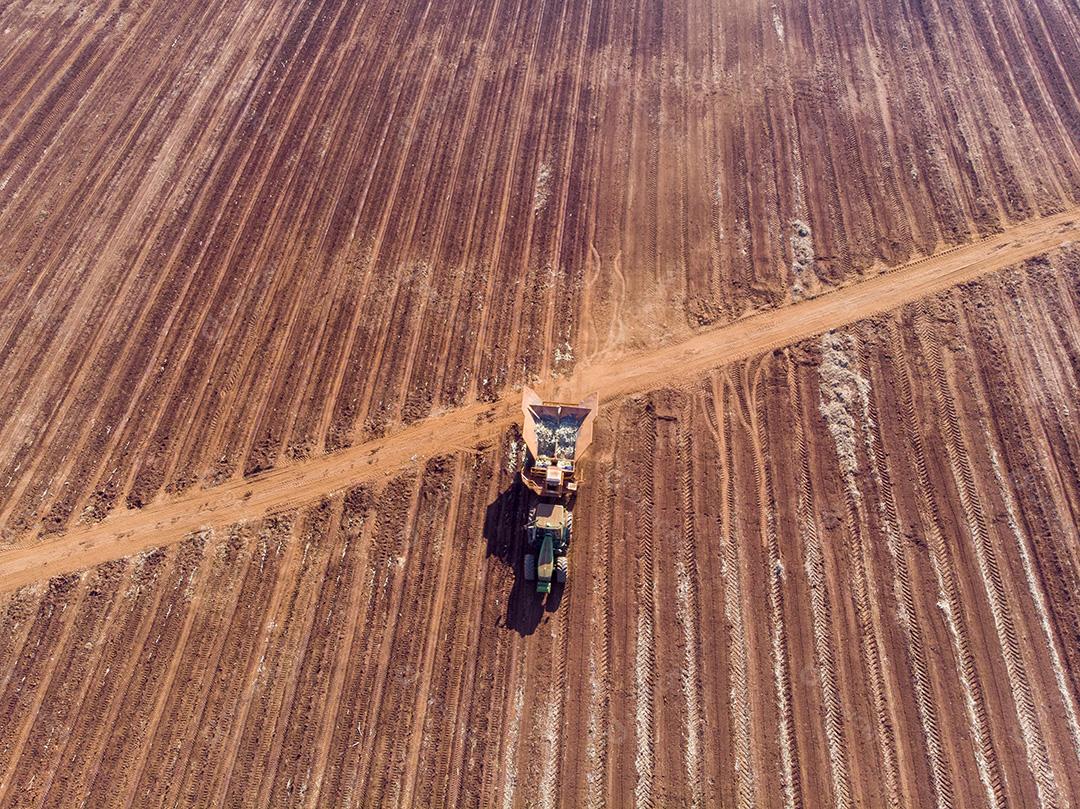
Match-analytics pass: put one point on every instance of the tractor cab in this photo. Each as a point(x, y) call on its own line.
point(549, 529)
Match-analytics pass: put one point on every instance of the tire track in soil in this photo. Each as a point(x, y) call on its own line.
point(739, 707)
point(509, 742)
point(907, 616)
point(781, 652)
point(172, 732)
point(81, 755)
point(851, 393)
point(1020, 540)
point(989, 769)
point(720, 778)
point(390, 672)
point(1048, 329)
point(627, 482)
point(1068, 699)
point(208, 770)
point(645, 624)
point(577, 700)
point(688, 593)
point(1019, 428)
point(21, 700)
point(670, 742)
point(820, 605)
point(920, 584)
point(391, 518)
point(986, 557)
point(445, 727)
point(515, 676)
point(537, 704)
point(126, 732)
point(54, 721)
point(546, 707)
point(401, 701)
point(598, 778)
point(258, 746)
point(592, 783)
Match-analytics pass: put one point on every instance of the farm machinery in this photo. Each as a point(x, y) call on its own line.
point(556, 435)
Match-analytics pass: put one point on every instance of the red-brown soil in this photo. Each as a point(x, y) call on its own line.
point(272, 273)
point(840, 573)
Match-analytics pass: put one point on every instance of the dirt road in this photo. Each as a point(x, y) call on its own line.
point(169, 520)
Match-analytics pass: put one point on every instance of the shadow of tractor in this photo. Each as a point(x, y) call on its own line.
point(504, 530)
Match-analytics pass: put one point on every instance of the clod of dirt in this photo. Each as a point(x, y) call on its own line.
point(703, 312)
point(543, 188)
point(844, 397)
point(804, 280)
point(564, 359)
point(515, 455)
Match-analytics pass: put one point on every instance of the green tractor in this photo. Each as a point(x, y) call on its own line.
point(548, 535)
point(556, 434)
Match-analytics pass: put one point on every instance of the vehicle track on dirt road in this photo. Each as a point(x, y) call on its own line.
point(167, 521)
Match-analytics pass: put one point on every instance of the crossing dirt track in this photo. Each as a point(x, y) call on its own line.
point(272, 273)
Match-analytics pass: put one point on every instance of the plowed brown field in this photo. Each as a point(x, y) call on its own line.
point(840, 573)
point(270, 275)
